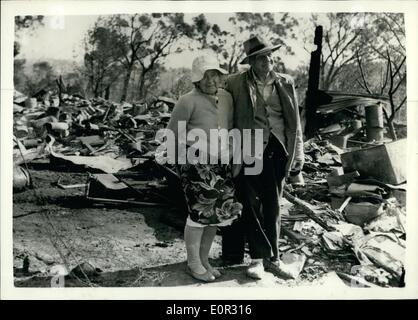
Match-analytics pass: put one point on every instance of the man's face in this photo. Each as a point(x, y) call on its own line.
point(263, 64)
point(210, 82)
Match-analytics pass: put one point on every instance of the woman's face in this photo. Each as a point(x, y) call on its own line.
point(210, 82)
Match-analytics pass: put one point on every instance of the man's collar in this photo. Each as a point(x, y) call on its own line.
point(271, 77)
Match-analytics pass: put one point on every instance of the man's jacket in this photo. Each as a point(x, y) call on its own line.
point(244, 95)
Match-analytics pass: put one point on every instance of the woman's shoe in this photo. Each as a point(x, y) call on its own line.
point(215, 272)
point(205, 277)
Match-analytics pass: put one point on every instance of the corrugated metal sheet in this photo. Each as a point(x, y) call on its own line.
point(341, 100)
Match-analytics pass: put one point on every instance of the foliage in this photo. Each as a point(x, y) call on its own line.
point(126, 54)
point(42, 77)
point(388, 48)
point(75, 82)
point(364, 52)
point(182, 85)
point(24, 22)
point(151, 86)
point(300, 76)
point(19, 77)
point(341, 39)
point(228, 45)
point(101, 68)
point(141, 42)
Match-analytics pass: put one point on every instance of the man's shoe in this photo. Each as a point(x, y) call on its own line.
point(256, 270)
point(275, 268)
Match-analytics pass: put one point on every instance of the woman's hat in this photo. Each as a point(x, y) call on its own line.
point(255, 46)
point(203, 63)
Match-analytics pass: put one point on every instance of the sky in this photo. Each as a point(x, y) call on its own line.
point(61, 37)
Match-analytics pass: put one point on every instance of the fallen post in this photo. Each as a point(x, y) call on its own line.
point(139, 203)
point(308, 209)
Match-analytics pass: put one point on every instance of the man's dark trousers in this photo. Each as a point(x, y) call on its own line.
point(260, 221)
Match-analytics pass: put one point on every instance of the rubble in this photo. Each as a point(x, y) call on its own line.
point(85, 270)
point(362, 212)
point(94, 135)
point(350, 209)
point(21, 179)
point(104, 163)
point(91, 123)
point(291, 265)
point(385, 162)
point(392, 219)
point(107, 188)
point(343, 207)
point(58, 270)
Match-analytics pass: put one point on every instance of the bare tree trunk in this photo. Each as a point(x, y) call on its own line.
point(142, 84)
point(311, 104)
point(107, 92)
point(126, 83)
point(96, 90)
point(322, 77)
point(62, 88)
point(392, 130)
point(391, 127)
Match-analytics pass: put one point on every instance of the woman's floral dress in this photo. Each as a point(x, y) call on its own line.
point(209, 192)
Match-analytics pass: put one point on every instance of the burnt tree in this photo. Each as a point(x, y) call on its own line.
point(313, 84)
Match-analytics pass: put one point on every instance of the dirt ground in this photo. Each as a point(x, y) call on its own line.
point(130, 246)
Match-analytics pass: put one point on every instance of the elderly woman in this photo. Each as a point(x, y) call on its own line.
point(208, 188)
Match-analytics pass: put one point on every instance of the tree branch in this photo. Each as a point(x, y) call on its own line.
point(334, 71)
point(392, 103)
point(331, 50)
point(375, 50)
point(361, 85)
point(400, 66)
point(337, 44)
point(401, 104)
point(348, 43)
point(399, 83)
point(386, 78)
point(363, 77)
point(331, 73)
point(394, 32)
point(390, 71)
point(401, 29)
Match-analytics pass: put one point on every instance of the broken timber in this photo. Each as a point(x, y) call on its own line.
point(314, 212)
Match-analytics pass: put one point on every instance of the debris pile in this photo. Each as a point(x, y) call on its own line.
point(347, 211)
point(95, 135)
point(348, 202)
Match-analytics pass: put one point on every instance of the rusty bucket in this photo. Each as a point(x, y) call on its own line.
point(374, 122)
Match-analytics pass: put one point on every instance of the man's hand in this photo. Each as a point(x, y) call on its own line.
point(236, 169)
point(297, 165)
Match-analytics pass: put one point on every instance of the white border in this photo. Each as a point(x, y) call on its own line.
point(9, 9)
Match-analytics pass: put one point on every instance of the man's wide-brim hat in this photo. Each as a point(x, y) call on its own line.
point(203, 63)
point(254, 47)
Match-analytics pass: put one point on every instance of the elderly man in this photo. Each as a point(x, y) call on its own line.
point(263, 99)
